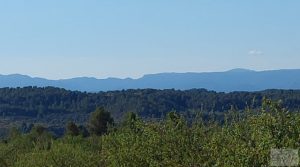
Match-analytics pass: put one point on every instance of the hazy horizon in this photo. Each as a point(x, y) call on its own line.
point(138, 77)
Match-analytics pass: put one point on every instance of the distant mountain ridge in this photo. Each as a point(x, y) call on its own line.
point(228, 81)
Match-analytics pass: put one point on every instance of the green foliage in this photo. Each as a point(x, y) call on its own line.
point(72, 129)
point(242, 139)
point(14, 133)
point(36, 102)
point(41, 138)
point(83, 131)
point(130, 121)
point(99, 121)
point(22, 107)
point(61, 154)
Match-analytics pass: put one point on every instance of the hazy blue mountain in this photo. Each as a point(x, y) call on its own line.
point(233, 80)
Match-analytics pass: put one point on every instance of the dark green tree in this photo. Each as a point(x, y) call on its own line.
point(40, 137)
point(129, 119)
point(99, 121)
point(174, 118)
point(72, 129)
point(83, 131)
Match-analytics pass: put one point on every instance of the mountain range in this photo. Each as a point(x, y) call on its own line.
point(228, 81)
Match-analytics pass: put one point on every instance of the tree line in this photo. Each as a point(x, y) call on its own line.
point(148, 103)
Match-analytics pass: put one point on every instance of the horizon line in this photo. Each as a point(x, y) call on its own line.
point(188, 72)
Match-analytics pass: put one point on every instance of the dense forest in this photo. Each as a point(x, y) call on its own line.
point(39, 102)
point(241, 140)
point(54, 107)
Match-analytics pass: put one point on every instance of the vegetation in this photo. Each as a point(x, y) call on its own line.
point(54, 107)
point(41, 103)
point(99, 122)
point(241, 139)
point(72, 129)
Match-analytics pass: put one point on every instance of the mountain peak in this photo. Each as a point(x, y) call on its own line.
point(16, 76)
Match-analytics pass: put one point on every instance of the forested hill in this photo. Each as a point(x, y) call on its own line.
point(36, 102)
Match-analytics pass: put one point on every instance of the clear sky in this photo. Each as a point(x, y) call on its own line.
point(128, 38)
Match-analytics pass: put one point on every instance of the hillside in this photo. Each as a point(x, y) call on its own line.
point(54, 107)
point(37, 102)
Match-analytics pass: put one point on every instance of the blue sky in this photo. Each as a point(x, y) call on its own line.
point(116, 38)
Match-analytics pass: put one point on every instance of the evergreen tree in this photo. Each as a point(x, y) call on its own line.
point(99, 121)
point(72, 129)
